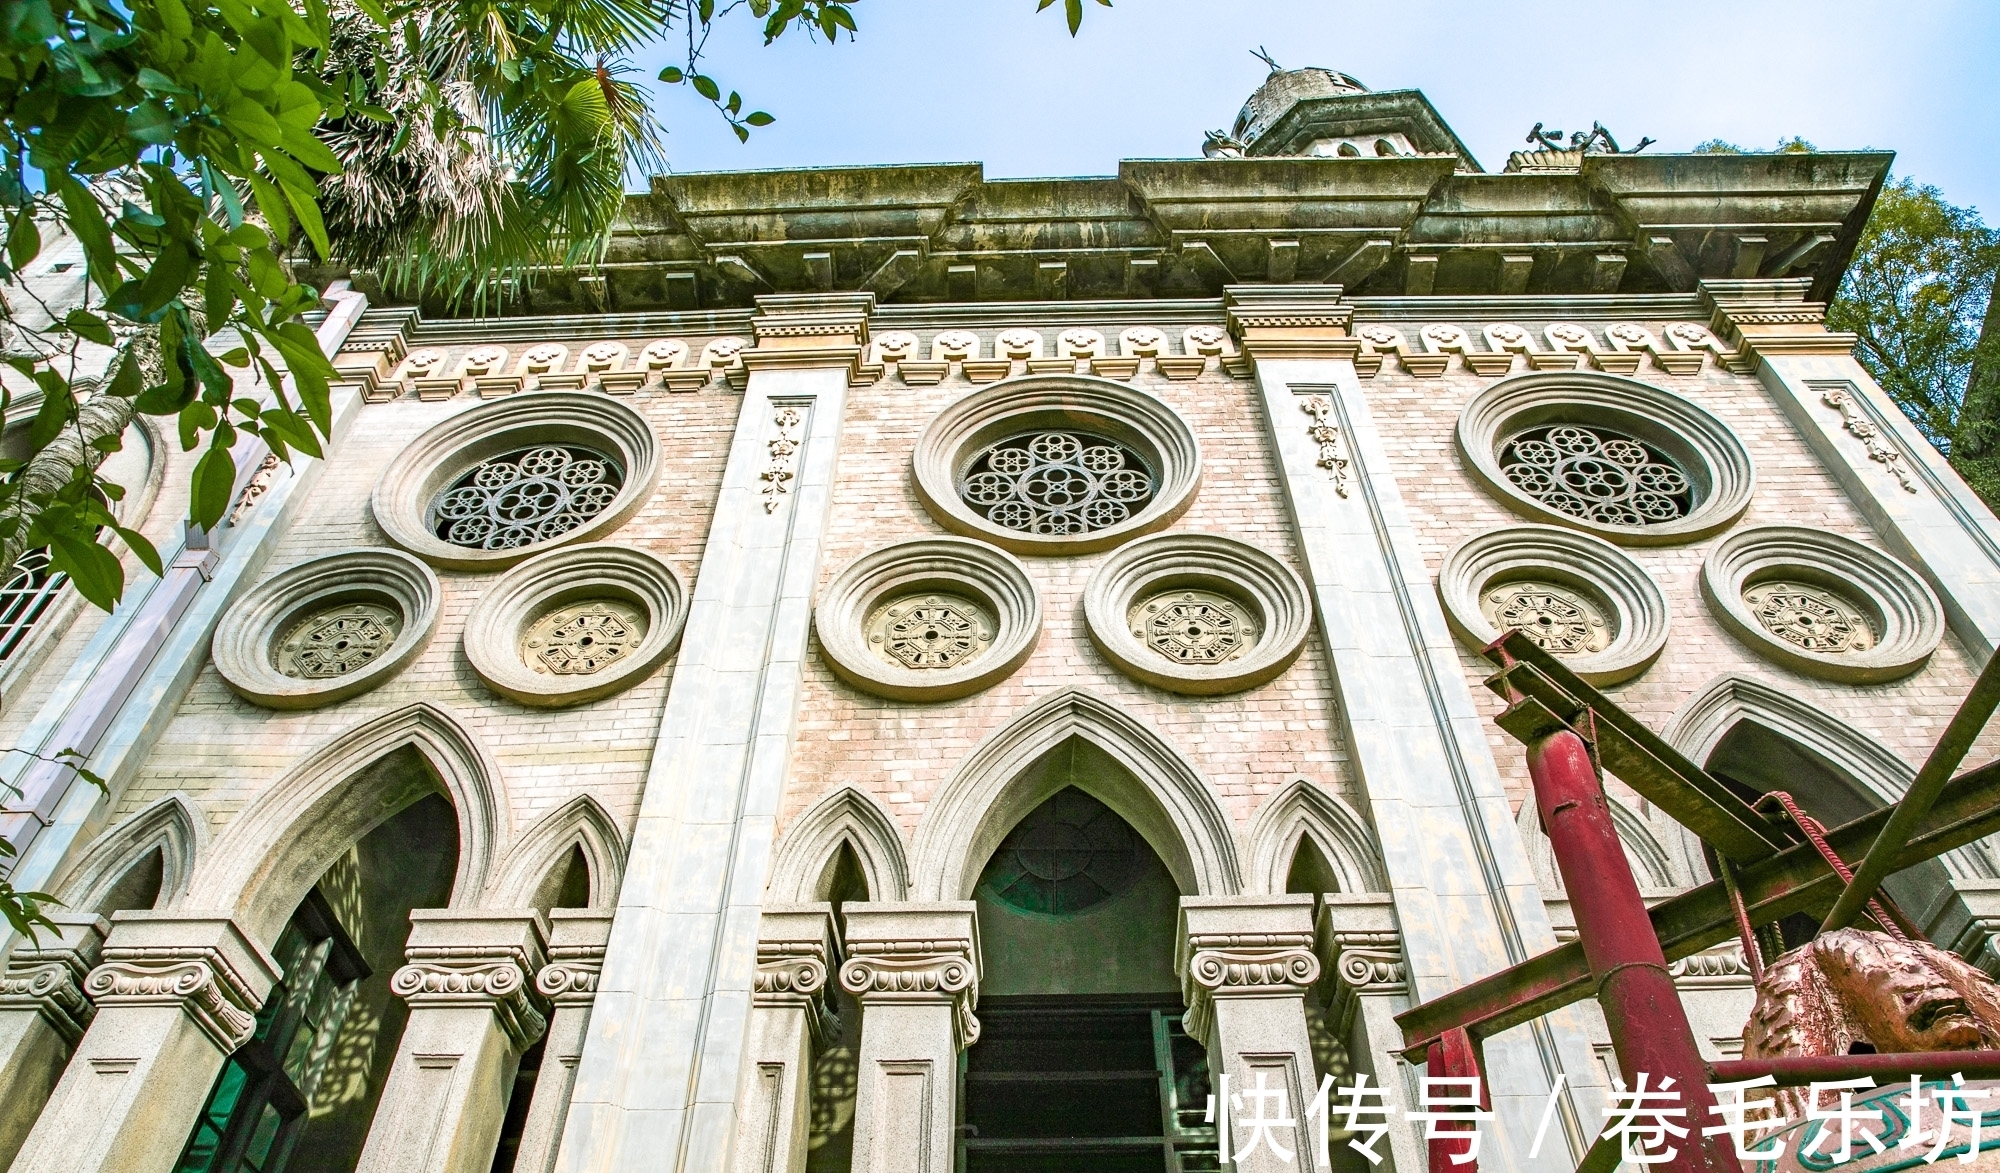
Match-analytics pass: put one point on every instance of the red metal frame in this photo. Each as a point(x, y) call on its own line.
point(1770, 865)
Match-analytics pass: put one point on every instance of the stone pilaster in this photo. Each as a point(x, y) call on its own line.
point(1361, 952)
point(663, 1064)
point(569, 982)
point(1245, 965)
point(1464, 891)
point(174, 996)
point(472, 1013)
point(915, 970)
point(43, 1013)
point(1914, 499)
point(789, 1021)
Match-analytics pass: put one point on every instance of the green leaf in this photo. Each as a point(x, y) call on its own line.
point(301, 193)
point(137, 543)
point(85, 324)
point(93, 569)
point(272, 205)
point(759, 118)
point(58, 405)
point(742, 132)
point(706, 87)
point(24, 240)
point(305, 146)
point(672, 75)
point(214, 481)
point(159, 83)
point(735, 103)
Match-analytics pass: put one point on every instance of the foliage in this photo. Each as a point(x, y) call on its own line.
point(1917, 294)
point(1794, 145)
point(175, 144)
point(1073, 9)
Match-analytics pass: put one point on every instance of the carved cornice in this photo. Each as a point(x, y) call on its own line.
point(49, 982)
point(916, 971)
point(495, 979)
point(200, 981)
point(1772, 317)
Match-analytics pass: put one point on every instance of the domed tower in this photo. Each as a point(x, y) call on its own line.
point(1322, 112)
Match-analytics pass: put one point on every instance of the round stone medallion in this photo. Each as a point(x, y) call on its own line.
point(1822, 604)
point(327, 629)
point(1198, 614)
point(927, 620)
point(576, 624)
point(1561, 622)
point(1195, 626)
point(930, 631)
point(584, 638)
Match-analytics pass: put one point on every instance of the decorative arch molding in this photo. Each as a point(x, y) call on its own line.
point(1699, 726)
point(1166, 799)
point(270, 857)
point(851, 816)
point(1302, 810)
point(171, 825)
point(583, 823)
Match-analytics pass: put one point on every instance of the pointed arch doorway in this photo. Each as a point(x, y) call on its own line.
point(1082, 1064)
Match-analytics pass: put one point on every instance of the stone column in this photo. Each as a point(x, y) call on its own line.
point(663, 1062)
point(1362, 956)
point(1463, 887)
point(569, 982)
point(789, 1022)
point(915, 969)
point(1245, 965)
point(1910, 494)
point(175, 995)
point(471, 1016)
point(43, 1014)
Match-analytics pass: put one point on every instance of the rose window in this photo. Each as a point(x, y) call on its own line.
point(930, 631)
point(1057, 483)
point(1809, 617)
point(1597, 475)
point(1195, 627)
point(1561, 622)
point(337, 641)
point(1068, 854)
point(585, 639)
point(526, 496)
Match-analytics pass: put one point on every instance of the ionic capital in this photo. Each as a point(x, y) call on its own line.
point(200, 981)
point(47, 976)
point(936, 970)
point(446, 976)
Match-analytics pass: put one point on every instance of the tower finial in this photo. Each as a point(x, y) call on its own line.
point(1262, 54)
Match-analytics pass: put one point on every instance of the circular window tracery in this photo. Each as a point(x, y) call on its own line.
point(1057, 464)
point(526, 496)
point(1607, 455)
point(1598, 475)
point(1812, 618)
point(490, 486)
point(1198, 614)
point(1068, 855)
point(1057, 483)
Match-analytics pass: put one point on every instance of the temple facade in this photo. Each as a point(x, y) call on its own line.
point(900, 671)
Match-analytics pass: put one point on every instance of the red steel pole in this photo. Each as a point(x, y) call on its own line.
point(1649, 1029)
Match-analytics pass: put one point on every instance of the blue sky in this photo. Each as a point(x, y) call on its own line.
point(992, 81)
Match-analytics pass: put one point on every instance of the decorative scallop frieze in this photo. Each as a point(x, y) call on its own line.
point(1197, 613)
point(1680, 348)
point(490, 486)
point(327, 629)
point(1060, 464)
point(576, 624)
point(1607, 455)
point(928, 620)
point(1822, 604)
point(1578, 597)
